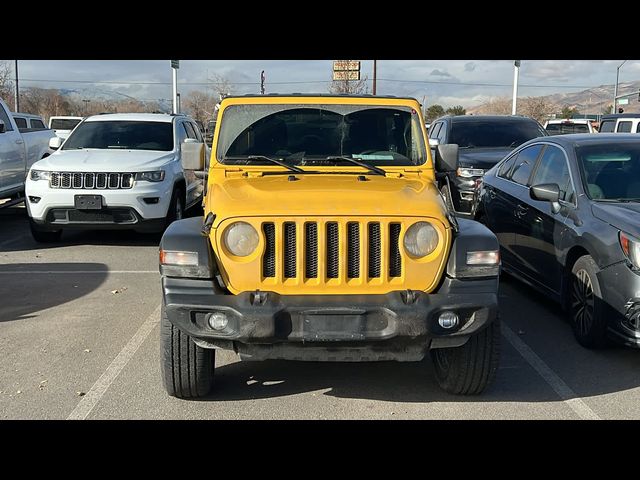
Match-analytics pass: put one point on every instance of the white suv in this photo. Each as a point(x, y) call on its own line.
point(129, 171)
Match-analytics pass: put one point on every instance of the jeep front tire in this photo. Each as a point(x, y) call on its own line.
point(469, 369)
point(187, 369)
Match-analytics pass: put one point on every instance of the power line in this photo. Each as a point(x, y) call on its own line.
point(304, 82)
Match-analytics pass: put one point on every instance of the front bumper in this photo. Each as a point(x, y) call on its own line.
point(63, 198)
point(399, 325)
point(620, 288)
point(464, 192)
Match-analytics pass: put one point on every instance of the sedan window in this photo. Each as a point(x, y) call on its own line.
point(524, 164)
point(553, 168)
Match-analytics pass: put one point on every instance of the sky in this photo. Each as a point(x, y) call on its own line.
point(446, 82)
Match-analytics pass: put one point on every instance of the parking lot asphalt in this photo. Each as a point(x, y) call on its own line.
point(79, 338)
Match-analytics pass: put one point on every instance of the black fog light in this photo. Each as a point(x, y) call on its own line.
point(448, 319)
point(33, 199)
point(151, 200)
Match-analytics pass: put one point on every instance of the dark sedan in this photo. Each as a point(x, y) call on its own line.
point(566, 211)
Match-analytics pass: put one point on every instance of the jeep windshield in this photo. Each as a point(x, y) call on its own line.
point(123, 135)
point(321, 135)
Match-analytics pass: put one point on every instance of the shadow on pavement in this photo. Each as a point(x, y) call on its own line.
point(22, 294)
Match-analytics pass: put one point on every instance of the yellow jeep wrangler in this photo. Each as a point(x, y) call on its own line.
point(325, 238)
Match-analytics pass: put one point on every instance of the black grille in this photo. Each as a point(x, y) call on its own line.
point(269, 258)
point(116, 215)
point(311, 250)
point(90, 181)
point(353, 250)
point(395, 261)
point(332, 250)
point(374, 250)
point(289, 250)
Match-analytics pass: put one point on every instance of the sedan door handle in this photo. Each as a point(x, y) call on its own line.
point(19, 142)
point(521, 211)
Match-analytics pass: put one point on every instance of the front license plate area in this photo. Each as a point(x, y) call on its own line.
point(333, 327)
point(88, 202)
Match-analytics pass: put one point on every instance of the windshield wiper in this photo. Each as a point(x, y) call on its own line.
point(371, 168)
point(276, 161)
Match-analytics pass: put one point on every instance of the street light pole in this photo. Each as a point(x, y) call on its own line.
point(615, 91)
point(375, 64)
point(516, 71)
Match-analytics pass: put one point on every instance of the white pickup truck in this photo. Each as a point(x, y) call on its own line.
point(117, 171)
point(19, 149)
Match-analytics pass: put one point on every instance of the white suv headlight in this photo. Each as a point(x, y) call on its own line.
point(421, 239)
point(36, 175)
point(241, 239)
point(155, 176)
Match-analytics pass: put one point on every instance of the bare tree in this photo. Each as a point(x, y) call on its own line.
point(495, 106)
point(200, 106)
point(6, 83)
point(539, 108)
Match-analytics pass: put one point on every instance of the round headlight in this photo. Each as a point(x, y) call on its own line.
point(421, 239)
point(241, 239)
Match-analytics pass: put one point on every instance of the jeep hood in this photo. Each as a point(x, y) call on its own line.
point(324, 195)
point(104, 160)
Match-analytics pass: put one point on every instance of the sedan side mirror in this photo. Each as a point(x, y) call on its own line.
point(55, 143)
point(2, 126)
point(547, 192)
point(447, 157)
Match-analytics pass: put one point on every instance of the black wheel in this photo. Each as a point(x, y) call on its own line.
point(469, 369)
point(447, 198)
point(187, 369)
point(44, 236)
point(176, 207)
point(585, 304)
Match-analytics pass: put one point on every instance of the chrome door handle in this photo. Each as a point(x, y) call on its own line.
point(19, 142)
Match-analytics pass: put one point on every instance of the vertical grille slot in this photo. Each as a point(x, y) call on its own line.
point(289, 250)
point(55, 180)
point(374, 250)
point(89, 180)
point(101, 180)
point(311, 250)
point(353, 250)
point(127, 180)
point(77, 180)
point(269, 258)
point(395, 261)
point(114, 180)
point(65, 180)
point(332, 250)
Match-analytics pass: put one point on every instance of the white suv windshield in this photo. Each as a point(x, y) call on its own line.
point(124, 135)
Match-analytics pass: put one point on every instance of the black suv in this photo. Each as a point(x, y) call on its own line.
point(483, 140)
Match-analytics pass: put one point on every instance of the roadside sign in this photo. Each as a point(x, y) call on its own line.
point(623, 101)
point(346, 75)
point(175, 64)
point(341, 65)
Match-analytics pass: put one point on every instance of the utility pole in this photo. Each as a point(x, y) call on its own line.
point(86, 105)
point(17, 92)
point(615, 91)
point(516, 71)
point(262, 77)
point(175, 65)
point(374, 76)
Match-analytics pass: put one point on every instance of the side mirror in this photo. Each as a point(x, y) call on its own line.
point(2, 127)
point(547, 192)
point(190, 140)
point(447, 157)
point(55, 143)
point(193, 154)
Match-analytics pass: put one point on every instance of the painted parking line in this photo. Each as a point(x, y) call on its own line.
point(15, 272)
point(93, 396)
point(568, 396)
